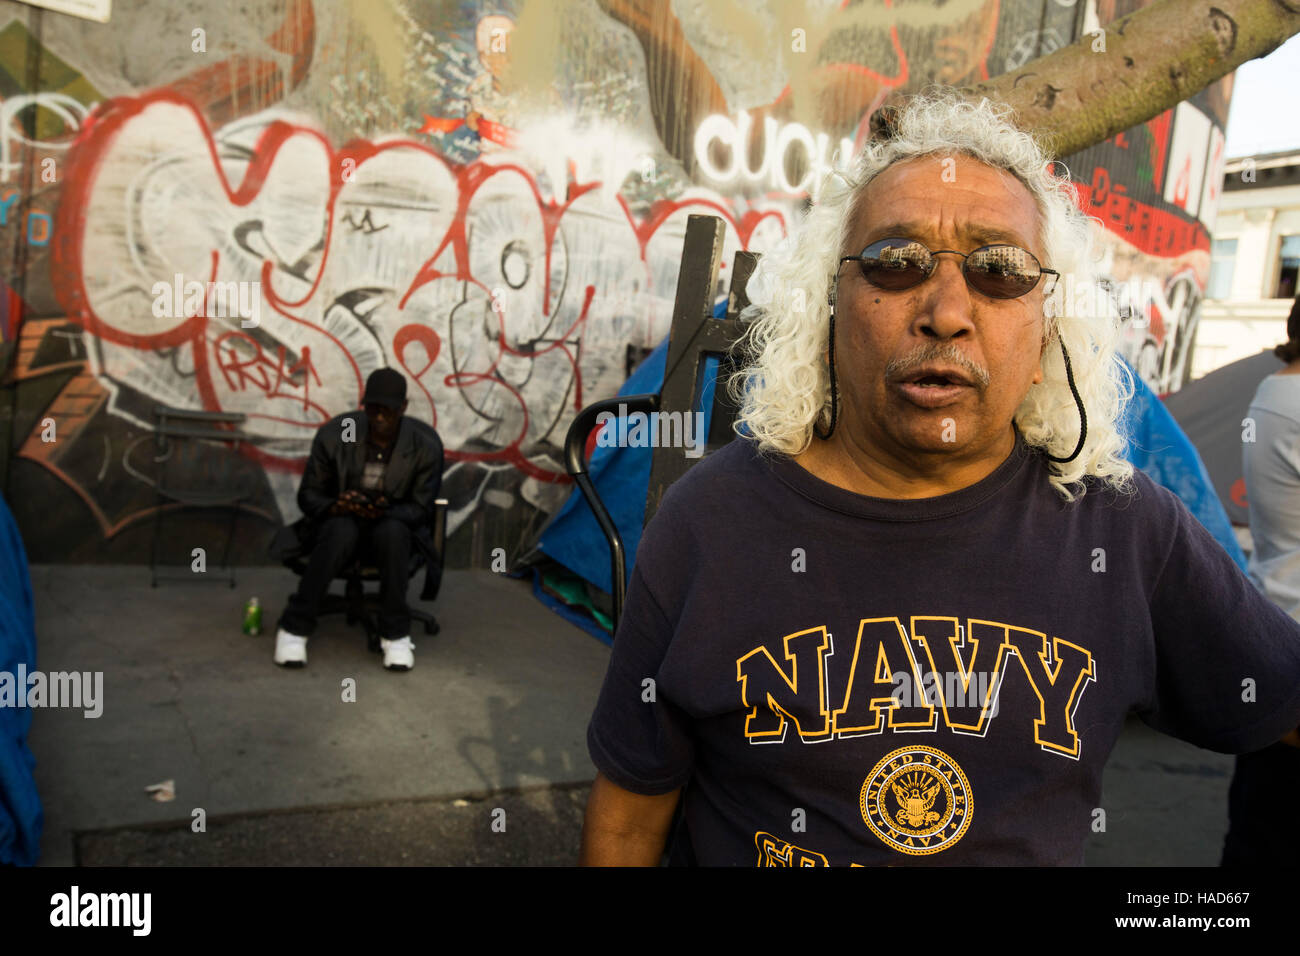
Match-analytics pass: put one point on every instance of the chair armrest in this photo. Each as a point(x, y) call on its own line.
point(438, 526)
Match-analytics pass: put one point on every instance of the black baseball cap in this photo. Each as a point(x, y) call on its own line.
point(386, 387)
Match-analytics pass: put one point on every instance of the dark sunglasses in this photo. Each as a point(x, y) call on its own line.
point(998, 271)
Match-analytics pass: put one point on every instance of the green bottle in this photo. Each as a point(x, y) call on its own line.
point(252, 618)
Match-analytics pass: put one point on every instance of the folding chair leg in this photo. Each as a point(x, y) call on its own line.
point(354, 595)
point(153, 547)
point(225, 553)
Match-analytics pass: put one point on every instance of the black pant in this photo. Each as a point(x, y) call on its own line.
point(386, 542)
point(1263, 828)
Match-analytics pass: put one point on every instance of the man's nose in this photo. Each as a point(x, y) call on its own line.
point(945, 306)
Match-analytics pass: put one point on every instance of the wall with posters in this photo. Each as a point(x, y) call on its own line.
point(249, 206)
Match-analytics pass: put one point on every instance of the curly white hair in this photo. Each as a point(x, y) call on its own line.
point(783, 387)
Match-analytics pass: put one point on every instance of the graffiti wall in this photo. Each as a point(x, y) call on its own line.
point(248, 207)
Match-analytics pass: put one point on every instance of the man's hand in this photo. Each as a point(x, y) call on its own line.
point(347, 503)
point(622, 828)
point(356, 503)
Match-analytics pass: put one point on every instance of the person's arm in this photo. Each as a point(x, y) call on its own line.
point(1227, 659)
point(1271, 470)
point(415, 511)
point(640, 737)
point(320, 490)
point(622, 828)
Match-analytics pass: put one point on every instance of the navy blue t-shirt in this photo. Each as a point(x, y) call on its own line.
point(840, 679)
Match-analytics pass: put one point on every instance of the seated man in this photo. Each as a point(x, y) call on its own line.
point(370, 483)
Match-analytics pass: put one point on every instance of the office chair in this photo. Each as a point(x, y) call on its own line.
point(362, 606)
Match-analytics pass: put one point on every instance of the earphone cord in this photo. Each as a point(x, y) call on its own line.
point(1083, 414)
point(834, 403)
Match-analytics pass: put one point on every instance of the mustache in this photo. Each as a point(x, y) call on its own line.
point(946, 353)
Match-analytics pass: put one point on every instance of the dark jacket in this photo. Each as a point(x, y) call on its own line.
point(411, 482)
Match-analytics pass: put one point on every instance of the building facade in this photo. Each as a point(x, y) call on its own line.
point(1255, 256)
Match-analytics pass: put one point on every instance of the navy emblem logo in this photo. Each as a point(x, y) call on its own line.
point(917, 801)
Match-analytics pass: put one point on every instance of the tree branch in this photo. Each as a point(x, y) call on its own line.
point(1153, 59)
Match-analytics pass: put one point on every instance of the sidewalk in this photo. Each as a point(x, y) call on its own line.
point(492, 718)
point(499, 700)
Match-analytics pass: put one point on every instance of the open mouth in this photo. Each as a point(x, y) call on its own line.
point(934, 389)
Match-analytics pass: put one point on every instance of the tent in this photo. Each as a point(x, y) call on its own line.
point(21, 817)
point(1210, 411)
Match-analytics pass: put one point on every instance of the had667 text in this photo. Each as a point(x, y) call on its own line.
point(1165, 899)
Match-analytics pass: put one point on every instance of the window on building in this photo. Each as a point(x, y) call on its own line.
point(1286, 280)
point(1223, 256)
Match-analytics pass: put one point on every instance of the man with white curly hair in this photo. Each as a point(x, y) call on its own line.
point(903, 617)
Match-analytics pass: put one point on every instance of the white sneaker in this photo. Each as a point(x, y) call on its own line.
point(290, 649)
point(397, 654)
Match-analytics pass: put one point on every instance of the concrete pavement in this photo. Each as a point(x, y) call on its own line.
point(498, 700)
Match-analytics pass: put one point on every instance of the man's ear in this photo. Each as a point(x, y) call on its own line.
point(1042, 353)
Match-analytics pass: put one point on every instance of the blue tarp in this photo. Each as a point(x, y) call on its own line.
point(622, 475)
point(21, 817)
